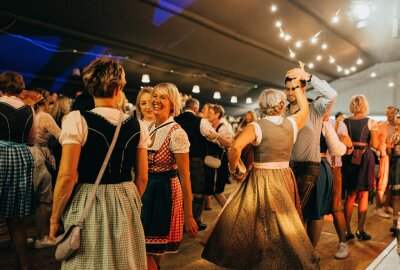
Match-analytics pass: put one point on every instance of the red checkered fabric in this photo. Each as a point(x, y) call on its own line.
point(176, 229)
point(163, 159)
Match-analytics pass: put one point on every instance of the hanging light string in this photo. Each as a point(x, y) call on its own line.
point(57, 49)
point(298, 43)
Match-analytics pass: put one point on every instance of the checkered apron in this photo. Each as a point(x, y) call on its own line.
point(112, 235)
point(16, 180)
point(162, 212)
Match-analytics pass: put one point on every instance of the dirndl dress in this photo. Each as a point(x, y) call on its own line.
point(17, 198)
point(162, 211)
point(394, 174)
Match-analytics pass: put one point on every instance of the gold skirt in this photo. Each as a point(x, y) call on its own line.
point(260, 227)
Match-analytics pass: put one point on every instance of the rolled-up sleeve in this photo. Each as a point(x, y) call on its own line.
point(328, 95)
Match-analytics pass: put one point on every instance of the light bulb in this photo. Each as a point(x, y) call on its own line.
point(324, 46)
point(391, 84)
point(335, 19)
point(145, 78)
point(298, 44)
point(339, 69)
point(288, 37)
point(196, 89)
point(319, 57)
point(373, 75)
point(281, 35)
point(353, 68)
point(347, 71)
point(234, 99)
point(278, 24)
point(249, 100)
point(274, 8)
point(331, 59)
point(310, 65)
point(217, 95)
point(314, 40)
point(292, 55)
point(359, 61)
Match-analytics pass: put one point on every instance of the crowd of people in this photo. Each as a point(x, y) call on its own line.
point(293, 164)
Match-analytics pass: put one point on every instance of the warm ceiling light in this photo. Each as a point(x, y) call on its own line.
point(145, 78)
point(310, 65)
point(281, 35)
point(391, 84)
point(249, 100)
point(217, 95)
point(278, 24)
point(360, 11)
point(359, 61)
point(314, 40)
point(319, 57)
point(347, 71)
point(331, 59)
point(196, 89)
point(298, 44)
point(335, 19)
point(292, 55)
point(274, 8)
point(324, 46)
point(373, 75)
point(339, 69)
point(234, 99)
point(353, 68)
point(288, 37)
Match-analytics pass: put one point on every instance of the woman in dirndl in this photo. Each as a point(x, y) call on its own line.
point(359, 175)
point(393, 150)
point(144, 110)
point(163, 214)
point(17, 129)
point(112, 235)
point(260, 226)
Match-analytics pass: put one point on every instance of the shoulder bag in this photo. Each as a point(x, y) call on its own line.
point(70, 241)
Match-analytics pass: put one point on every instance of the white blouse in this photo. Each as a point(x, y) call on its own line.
point(179, 141)
point(46, 126)
point(276, 119)
point(75, 130)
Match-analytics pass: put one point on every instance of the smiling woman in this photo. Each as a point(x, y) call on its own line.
point(162, 212)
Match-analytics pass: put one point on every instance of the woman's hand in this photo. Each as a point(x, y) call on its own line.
point(191, 227)
point(53, 230)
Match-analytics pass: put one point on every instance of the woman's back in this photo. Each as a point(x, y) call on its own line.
point(276, 142)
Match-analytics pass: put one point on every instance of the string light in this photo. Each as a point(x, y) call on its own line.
point(298, 44)
point(278, 24)
point(391, 84)
point(353, 68)
point(347, 71)
point(373, 75)
point(339, 69)
point(291, 53)
point(274, 8)
point(288, 37)
point(319, 57)
point(324, 46)
point(310, 65)
point(331, 59)
point(281, 34)
point(335, 19)
point(313, 40)
point(359, 61)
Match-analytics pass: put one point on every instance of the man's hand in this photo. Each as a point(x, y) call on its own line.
point(298, 73)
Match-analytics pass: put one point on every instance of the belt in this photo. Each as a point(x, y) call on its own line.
point(306, 163)
point(360, 144)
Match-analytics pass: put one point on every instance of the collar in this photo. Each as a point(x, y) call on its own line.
point(191, 111)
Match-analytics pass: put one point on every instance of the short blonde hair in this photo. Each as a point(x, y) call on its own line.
point(102, 76)
point(272, 102)
point(172, 92)
point(359, 104)
point(146, 89)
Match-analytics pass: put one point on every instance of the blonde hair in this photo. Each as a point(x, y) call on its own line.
point(359, 104)
point(61, 106)
point(272, 102)
point(146, 89)
point(172, 92)
point(103, 76)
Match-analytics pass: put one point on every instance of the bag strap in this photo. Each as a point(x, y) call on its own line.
point(163, 125)
point(100, 175)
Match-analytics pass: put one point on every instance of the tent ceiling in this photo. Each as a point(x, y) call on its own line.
point(231, 41)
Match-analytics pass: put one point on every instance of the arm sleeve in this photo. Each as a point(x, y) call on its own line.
point(328, 95)
point(50, 125)
point(295, 128)
point(74, 129)
point(373, 125)
point(206, 129)
point(258, 133)
point(335, 146)
point(32, 132)
point(179, 142)
point(144, 141)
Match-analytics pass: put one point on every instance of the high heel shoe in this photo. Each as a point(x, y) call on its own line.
point(363, 235)
point(349, 236)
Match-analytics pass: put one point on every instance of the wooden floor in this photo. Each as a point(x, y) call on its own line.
point(189, 256)
point(362, 253)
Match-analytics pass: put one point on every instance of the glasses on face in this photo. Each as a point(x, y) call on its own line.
point(292, 88)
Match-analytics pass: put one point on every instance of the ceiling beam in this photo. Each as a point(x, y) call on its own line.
point(117, 44)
